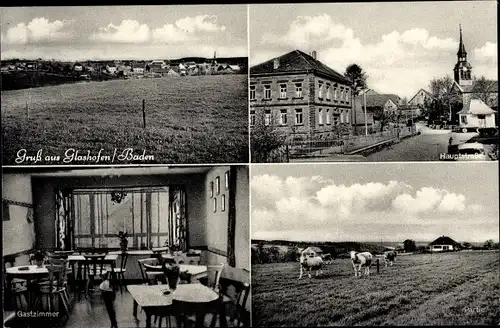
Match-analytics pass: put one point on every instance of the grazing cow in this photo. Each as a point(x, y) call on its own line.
point(389, 257)
point(361, 260)
point(310, 262)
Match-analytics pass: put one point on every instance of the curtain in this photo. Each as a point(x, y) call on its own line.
point(63, 220)
point(179, 218)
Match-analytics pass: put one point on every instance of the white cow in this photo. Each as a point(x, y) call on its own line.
point(310, 262)
point(361, 260)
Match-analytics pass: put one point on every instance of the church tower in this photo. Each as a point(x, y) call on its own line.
point(463, 70)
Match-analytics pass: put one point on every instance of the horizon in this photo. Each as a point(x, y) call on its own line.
point(369, 242)
point(120, 59)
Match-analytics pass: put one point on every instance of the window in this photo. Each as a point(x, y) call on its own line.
point(463, 119)
point(267, 117)
point(252, 117)
point(215, 204)
point(283, 117)
point(150, 215)
point(282, 91)
point(320, 116)
point(298, 117)
point(336, 94)
point(341, 116)
point(342, 94)
point(335, 120)
point(298, 90)
point(320, 91)
point(347, 116)
point(327, 92)
point(328, 119)
point(211, 189)
point(217, 185)
point(267, 91)
point(226, 179)
point(223, 203)
point(347, 96)
point(252, 92)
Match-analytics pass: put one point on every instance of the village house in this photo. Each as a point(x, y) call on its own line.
point(358, 117)
point(476, 114)
point(111, 69)
point(300, 96)
point(311, 251)
point(420, 100)
point(78, 67)
point(382, 103)
point(443, 244)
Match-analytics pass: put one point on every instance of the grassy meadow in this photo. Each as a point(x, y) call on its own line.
point(459, 288)
point(193, 119)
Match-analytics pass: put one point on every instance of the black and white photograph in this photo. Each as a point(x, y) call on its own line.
point(124, 85)
point(376, 82)
point(385, 244)
point(125, 247)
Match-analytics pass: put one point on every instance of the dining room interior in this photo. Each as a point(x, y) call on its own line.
point(169, 243)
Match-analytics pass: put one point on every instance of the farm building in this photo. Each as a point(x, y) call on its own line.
point(477, 114)
point(171, 72)
point(312, 251)
point(443, 244)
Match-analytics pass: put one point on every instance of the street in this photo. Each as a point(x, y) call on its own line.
point(423, 147)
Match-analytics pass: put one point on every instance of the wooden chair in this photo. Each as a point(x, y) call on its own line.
point(148, 272)
point(120, 272)
point(213, 276)
point(18, 286)
point(184, 310)
point(94, 268)
point(237, 315)
point(56, 288)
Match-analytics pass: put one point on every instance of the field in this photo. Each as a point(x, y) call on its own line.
point(193, 119)
point(446, 289)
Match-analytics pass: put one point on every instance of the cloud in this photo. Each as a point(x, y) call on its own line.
point(129, 31)
point(488, 51)
point(188, 29)
point(40, 29)
point(315, 208)
point(201, 23)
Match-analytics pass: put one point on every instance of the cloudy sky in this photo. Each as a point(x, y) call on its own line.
point(401, 46)
point(370, 202)
point(124, 32)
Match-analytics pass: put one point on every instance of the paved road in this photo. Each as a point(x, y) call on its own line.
point(424, 147)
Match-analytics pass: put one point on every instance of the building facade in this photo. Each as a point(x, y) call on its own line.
point(300, 96)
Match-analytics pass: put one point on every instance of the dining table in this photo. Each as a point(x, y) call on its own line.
point(152, 298)
point(30, 273)
point(80, 258)
point(194, 271)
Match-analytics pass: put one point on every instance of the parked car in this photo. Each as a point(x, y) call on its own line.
point(472, 151)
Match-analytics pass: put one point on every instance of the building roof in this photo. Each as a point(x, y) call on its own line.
point(295, 61)
point(491, 87)
point(443, 240)
point(478, 107)
point(427, 93)
point(312, 249)
point(379, 100)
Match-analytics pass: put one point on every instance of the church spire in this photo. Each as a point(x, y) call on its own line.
point(462, 54)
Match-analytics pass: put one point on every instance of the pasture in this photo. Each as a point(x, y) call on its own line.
point(193, 119)
point(448, 289)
